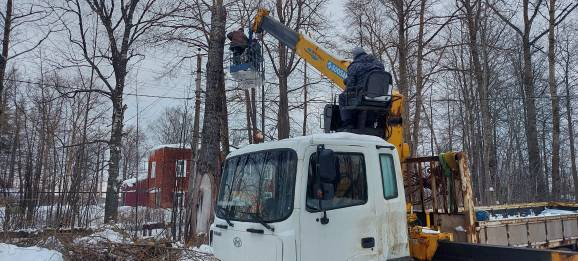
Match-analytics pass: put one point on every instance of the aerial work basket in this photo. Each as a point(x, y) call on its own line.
point(246, 65)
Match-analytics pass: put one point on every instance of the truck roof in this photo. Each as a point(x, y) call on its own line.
point(299, 144)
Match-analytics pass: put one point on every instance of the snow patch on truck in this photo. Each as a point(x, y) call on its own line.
point(548, 212)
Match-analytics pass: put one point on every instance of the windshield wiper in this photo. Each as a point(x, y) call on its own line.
point(226, 217)
point(261, 221)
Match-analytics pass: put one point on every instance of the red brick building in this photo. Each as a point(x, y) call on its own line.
point(167, 179)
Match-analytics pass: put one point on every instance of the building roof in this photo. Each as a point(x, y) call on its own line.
point(171, 146)
point(132, 181)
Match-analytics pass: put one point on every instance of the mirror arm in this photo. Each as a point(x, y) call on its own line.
point(324, 220)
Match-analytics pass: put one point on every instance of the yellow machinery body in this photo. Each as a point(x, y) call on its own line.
point(335, 69)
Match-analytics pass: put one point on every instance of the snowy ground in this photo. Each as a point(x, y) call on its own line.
point(96, 241)
point(11, 253)
point(105, 235)
point(106, 243)
point(92, 217)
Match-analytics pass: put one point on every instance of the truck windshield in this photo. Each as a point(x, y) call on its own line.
point(258, 186)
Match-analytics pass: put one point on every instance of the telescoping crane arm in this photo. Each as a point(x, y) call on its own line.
point(332, 67)
point(335, 69)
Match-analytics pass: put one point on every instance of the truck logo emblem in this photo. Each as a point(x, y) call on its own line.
point(237, 242)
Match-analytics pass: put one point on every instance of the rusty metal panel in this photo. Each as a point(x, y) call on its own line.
point(482, 235)
point(537, 232)
point(518, 235)
point(570, 228)
point(497, 235)
point(554, 229)
point(449, 223)
point(468, 198)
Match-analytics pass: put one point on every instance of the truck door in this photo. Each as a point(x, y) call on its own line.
point(390, 205)
point(350, 233)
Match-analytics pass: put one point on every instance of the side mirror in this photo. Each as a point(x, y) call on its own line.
point(327, 171)
point(326, 174)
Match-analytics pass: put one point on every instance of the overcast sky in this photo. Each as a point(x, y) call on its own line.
point(151, 79)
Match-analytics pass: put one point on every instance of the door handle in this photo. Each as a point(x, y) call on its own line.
point(368, 242)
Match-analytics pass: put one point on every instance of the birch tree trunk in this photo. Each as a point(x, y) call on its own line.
point(555, 103)
point(210, 141)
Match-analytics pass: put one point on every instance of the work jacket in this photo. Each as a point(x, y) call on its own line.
point(358, 70)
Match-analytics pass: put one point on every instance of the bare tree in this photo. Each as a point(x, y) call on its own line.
point(300, 16)
point(528, 41)
point(126, 26)
point(536, 165)
point(555, 103)
point(473, 12)
point(173, 126)
point(402, 10)
point(567, 56)
point(13, 18)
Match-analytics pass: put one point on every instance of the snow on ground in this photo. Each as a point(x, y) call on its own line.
point(545, 213)
point(47, 215)
point(11, 252)
point(204, 249)
point(202, 253)
point(107, 235)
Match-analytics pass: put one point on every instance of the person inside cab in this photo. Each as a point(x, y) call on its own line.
point(357, 73)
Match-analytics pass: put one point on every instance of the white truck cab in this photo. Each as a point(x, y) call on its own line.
point(332, 196)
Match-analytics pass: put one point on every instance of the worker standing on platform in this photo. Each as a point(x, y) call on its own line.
point(239, 43)
point(254, 54)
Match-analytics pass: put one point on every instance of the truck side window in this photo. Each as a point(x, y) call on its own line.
point(351, 187)
point(388, 176)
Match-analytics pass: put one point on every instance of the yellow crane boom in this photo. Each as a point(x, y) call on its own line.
point(332, 67)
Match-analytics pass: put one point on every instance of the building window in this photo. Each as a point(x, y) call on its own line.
point(158, 197)
point(350, 187)
point(181, 168)
point(180, 199)
point(153, 169)
point(388, 176)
